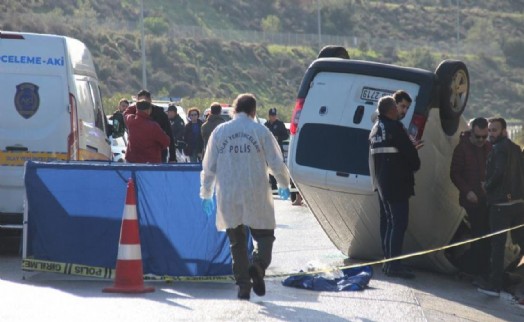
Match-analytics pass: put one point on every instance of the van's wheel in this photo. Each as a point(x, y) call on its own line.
point(454, 88)
point(449, 126)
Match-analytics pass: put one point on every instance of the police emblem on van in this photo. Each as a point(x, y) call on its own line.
point(27, 99)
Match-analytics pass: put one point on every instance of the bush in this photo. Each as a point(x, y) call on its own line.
point(156, 25)
point(513, 49)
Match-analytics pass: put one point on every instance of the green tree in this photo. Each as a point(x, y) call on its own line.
point(482, 37)
point(85, 14)
point(513, 49)
point(421, 58)
point(156, 25)
point(270, 23)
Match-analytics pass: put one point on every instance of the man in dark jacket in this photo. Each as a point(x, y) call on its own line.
point(119, 126)
point(394, 159)
point(177, 126)
point(277, 128)
point(159, 115)
point(505, 194)
point(279, 131)
point(213, 120)
point(467, 172)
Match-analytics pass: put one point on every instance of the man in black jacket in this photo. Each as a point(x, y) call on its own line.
point(393, 161)
point(277, 128)
point(279, 131)
point(505, 194)
point(119, 126)
point(159, 115)
point(177, 126)
point(213, 120)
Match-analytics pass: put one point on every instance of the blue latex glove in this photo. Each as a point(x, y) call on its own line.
point(208, 206)
point(284, 193)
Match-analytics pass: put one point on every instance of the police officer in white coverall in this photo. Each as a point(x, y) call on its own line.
point(238, 156)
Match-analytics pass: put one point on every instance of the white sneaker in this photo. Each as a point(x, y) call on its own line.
point(489, 291)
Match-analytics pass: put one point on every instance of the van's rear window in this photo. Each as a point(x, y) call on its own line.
point(334, 148)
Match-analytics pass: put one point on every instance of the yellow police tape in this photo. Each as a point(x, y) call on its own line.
point(29, 264)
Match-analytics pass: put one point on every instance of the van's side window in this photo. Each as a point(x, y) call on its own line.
point(99, 113)
point(86, 105)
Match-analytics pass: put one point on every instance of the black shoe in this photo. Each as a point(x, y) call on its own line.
point(244, 293)
point(400, 272)
point(257, 276)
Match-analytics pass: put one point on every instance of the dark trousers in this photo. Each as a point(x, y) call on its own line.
point(262, 251)
point(503, 217)
point(396, 213)
point(273, 182)
point(383, 225)
point(479, 253)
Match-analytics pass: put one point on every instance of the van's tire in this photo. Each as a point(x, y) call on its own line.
point(333, 51)
point(449, 126)
point(453, 94)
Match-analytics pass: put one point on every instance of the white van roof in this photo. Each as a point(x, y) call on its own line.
point(81, 58)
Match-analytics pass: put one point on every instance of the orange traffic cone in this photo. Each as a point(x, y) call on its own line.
point(129, 276)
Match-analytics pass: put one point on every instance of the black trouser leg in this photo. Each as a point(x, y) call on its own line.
point(238, 245)
point(397, 215)
point(383, 225)
point(273, 182)
point(498, 220)
point(480, 250)
point(262, 253)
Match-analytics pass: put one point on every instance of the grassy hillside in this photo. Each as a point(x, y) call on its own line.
point(411, 33)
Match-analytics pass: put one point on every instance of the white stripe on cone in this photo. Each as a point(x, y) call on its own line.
point(129, 252)
point(130, 212)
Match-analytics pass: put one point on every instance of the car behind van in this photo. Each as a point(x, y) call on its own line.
point(51, 110)
point(328, 154)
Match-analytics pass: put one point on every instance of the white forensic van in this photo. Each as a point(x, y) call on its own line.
point(51, 110)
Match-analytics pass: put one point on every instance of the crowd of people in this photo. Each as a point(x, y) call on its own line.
point(190, 139)
point(490, 178)
point(488, 170)
point(240, 148)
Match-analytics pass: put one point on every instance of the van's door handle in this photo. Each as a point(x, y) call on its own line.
point(16, 148)
point(342, 174)
point(92, 148)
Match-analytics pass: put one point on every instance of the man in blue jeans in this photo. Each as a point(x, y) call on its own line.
point(393, 161)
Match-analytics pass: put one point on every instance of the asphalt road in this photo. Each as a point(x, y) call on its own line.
point(300, 243)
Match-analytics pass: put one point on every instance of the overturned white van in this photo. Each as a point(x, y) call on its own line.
point(51, 110)
point(328, 154)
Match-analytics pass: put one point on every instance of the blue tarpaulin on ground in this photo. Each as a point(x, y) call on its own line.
point(75, 212)
point(353, 279)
